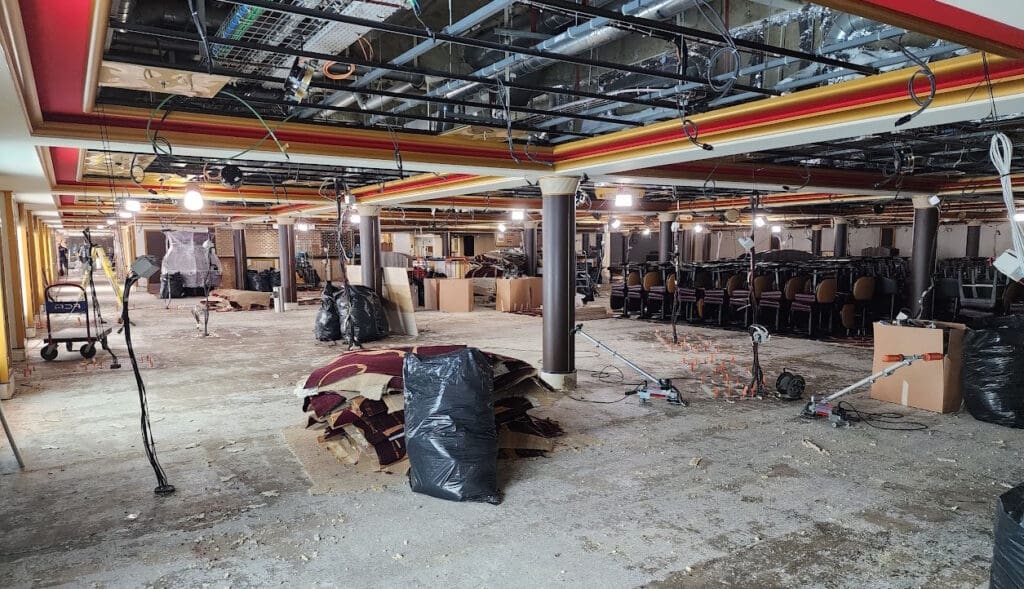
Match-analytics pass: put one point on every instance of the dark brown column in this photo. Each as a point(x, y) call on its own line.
point(922, 258)
point(559, 235)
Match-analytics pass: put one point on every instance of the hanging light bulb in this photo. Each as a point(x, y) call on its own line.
point(124, 214)
point(1018, 217)
point(193, 198)
point(646, 231)
point(624, 199)
point(518, 215)
point(109, 222)
point(698, 228)
point(354, 218)
point(760, 221)
point(615, 224)
point(776, 228)
point(132, 205)
point(501, 227)
point(302, 226)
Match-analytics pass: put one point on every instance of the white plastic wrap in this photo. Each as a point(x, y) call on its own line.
point(187, 256)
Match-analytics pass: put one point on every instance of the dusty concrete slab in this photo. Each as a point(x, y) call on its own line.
point(717, 494)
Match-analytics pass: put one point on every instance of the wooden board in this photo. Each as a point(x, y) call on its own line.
point(398, 302)
point(246, 300)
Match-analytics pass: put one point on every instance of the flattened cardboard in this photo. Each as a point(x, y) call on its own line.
point(932, 386)
point(455, 295)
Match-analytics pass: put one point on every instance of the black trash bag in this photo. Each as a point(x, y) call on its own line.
point(1008, 554)
point(328, 324)
point(364, 320)
point(992, 377)
point(451, 439)
point(172, 286)
point(275, 278)
point(252, 280)
point(266, 280)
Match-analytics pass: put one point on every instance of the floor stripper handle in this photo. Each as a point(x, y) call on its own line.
point(930, 357)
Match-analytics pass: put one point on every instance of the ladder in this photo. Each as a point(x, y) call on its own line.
point(101, 256)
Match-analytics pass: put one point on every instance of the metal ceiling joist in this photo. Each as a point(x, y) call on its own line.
point(480, 44)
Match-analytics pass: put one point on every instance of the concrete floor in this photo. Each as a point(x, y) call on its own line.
point(623, 502)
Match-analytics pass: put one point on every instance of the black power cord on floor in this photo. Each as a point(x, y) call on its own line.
point(162, 486)
point(894, 421)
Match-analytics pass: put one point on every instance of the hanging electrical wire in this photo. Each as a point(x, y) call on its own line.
point(530, 156)
point(504, 98)
point(729, 50)
point(922, 103)
point(207, 54)
point(689, 127)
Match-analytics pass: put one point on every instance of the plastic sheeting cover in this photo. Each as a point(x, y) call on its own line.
point(1008, 554)
point(992, 376)
point(451, 439)
point(188, 258)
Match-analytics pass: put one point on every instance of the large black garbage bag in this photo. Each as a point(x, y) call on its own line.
point(450, 434)
point(267, 280)
point(328, 324)
point(363, 320)
point(172, 286)
point(1008, 554)
point(992, 377)
point(252, 280)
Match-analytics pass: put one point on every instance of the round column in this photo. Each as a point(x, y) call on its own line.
point(816, 240)
point(665, 236)
point(839, 249)
point(530, 246)
point(922, 257)
point(286, 258)
point(241, 257)
point(369, 246)
point(974, 239)
point(559, 235)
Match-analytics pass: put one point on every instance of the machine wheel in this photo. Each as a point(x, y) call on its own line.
point(49, 352)
point(88, 350)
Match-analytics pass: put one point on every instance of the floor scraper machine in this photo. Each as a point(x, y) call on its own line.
point(665, 389)
point(828, 408)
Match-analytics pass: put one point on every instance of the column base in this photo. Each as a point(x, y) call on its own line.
point(30, 332)
point(560, 381)
point(7, 390)
point(18, 354)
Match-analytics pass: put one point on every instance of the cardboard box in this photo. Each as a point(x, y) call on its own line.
point(455, 295)
point(518, 294)
point(430, 294)
point(933, 386)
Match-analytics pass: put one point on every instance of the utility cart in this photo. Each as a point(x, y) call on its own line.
point(67, 298)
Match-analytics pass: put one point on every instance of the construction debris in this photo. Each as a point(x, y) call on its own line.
point(356, 402)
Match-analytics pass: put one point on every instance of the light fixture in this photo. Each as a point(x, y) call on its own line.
point(302, 226)
point(760, 221)
point(124, 214)
point(1018, 217)
point(615, 224)
point(698, 228)
point(501, 227)
point(101, 226)
point(193, 198)
point(354, 218)
point(109, 222)
point(776, 228)
point(624, 199)
point(646, 231)
point(132, 205)
point(934, 200)
point(275, 226)
point(518, 215)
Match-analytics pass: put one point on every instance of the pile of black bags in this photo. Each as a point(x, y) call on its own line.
point(354, 314)
point(262, 281)
point(172, 286)
point(992, 376)
point(1008, 554)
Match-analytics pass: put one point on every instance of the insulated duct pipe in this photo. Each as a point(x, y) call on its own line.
point(583, 37)
point(344, 98)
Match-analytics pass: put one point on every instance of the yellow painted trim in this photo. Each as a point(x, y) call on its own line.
point(5, 348)
point(9, 222)
point(97, 40)
point(27, 265)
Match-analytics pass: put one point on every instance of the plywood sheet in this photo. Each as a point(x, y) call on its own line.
point(163, 80)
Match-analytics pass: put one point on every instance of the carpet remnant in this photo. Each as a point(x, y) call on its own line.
point(356, 403)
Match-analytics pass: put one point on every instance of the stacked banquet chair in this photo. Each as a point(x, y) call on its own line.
point(855, 311)
point(638, 297)
point(635, 292)
point(693, 281)
point(974, 289)
point(715, 305)
point(659, 296)
point(739, 300)
point(779, 301)
point(619, 288)
point(817, 302)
